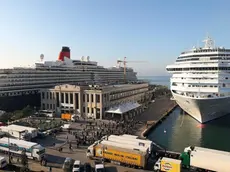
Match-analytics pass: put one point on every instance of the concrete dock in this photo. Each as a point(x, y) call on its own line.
point(154, 114)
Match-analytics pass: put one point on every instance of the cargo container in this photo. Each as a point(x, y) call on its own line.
point(167, 165)
point(135, 156)
point(130, 141)
point(206, 159)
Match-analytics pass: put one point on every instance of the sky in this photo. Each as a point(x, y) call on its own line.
point(150, 33)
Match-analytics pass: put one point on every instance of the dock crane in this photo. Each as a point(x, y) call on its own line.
point(119, 62)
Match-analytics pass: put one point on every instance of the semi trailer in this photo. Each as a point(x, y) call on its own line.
point(120, 153)
point(203, 159)
point(130, 141)
point(14, 146)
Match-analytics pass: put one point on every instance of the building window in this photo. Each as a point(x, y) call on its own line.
point(66, 98)
point(87, 110)
point(71, 98)
point(51, 106)
point(87, 97)
point(83, 109)
point(43, 95)
point(62, 97)
point(47, 106)
point(50, 96)
point(97, 98)
point(76, 101)
point(83, 97)
point(47, 95)
point(92, 111)
point(57, 99)
point(43, 106)
point(92, 98)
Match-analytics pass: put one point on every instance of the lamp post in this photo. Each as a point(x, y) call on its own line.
point(9, 146)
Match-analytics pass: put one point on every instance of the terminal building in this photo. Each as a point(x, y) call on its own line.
point(94, 101)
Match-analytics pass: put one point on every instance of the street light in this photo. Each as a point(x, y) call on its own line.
point(9, 146)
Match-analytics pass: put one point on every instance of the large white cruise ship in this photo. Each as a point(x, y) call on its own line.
point(200, 83)
point(24, 82)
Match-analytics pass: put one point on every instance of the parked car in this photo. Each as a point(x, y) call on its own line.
point(68, 164)
point(87, 167)
point(76, 166)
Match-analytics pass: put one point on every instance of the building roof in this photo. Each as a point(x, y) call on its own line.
point(18, 128)
point(120, 109)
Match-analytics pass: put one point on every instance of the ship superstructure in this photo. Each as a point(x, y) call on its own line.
point(21, 81)
point(200, 83)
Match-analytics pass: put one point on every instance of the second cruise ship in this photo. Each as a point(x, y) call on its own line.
point(200, 83)
point(20, 86)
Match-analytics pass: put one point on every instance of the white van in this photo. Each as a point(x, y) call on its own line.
point(76, 166)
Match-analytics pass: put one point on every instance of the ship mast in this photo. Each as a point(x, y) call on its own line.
point(208, 43)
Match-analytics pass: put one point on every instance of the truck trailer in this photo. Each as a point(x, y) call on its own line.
point(32, 150)
point(204, 159)
point(130, 141)
point(120, 153)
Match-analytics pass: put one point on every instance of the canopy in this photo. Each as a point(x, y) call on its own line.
point(120, 109)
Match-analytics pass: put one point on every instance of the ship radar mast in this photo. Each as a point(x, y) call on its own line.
point(208, 43)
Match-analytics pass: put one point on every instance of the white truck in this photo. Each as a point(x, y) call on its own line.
point(32, 150)
point(130, 141)
point(206, 159)
point(19, 132)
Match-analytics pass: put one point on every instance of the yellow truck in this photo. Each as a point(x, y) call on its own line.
point(66, 116)
point(70, 117)
point(122, 154)
point(167, 165)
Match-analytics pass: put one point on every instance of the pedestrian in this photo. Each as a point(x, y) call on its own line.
point(50, 169)
point(70, 146)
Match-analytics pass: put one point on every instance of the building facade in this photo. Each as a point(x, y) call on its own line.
point(92, 101)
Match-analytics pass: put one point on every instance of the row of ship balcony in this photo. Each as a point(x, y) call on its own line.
point(69, 71)
point(205, 88)
point(201, 80)
point(201, 50)
point(204, 95)
point(28, 80)
point(198, 65)
point(23, 84)
point(201, 75)
point(60, 75)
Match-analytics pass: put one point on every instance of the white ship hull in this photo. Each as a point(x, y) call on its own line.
point(203, 110)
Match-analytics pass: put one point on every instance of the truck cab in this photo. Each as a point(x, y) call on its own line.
point(38, 152)
point(91, 150)
point(157, 166)
point(167, 165)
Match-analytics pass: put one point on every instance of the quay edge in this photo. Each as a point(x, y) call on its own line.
point(145, 133)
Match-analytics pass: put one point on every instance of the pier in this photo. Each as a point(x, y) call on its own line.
point(155, 114)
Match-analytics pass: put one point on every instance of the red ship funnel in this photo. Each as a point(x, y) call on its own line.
point(65, 52)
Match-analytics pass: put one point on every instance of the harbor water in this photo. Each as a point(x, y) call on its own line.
point(178, 131)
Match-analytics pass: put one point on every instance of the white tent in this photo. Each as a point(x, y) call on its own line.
point(120, 109)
